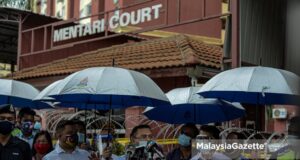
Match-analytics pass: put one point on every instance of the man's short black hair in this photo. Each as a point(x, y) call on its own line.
point(62, 124)
point(7, 108)
point(213, 130)
point(136, 128)
point(238, 134)
point(26, 111)
point(193, 128)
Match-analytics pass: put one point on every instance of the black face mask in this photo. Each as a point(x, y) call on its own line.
point(72, 140)
point(6, 127)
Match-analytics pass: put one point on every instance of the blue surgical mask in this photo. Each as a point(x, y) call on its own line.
point(37, 126)
point(80, 137)
point(142, 143)
point(184, 140)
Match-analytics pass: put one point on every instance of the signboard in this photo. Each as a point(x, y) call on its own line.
point(124, 19)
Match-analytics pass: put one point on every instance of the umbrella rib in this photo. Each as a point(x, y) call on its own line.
point(63, 87)
point(251, 79)
point(137, 88)
point(280, 74)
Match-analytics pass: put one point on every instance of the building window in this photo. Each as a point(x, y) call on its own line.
point(85, 10)
point(61, 9)
point(43, 6)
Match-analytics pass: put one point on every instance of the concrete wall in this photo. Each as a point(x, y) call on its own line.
point(262, 32)
point(292, 56)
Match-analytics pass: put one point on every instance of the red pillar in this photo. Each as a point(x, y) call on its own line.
point(235, 41)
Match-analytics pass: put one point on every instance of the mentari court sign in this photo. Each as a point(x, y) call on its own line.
point(124, 19)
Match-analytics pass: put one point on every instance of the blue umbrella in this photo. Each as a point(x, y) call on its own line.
point(189, 107)
point(19, 94)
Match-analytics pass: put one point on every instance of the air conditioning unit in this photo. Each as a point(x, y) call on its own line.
point(279, 113)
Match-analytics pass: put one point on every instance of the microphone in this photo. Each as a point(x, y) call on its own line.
point(152, 147)
point(130, 150)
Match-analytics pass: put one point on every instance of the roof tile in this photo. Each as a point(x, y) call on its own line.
point(173, 51)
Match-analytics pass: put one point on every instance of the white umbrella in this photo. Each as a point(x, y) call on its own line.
point(189, 107)
point(50, 89)
point(19, 94)
point(107, 88)
point(254, 85)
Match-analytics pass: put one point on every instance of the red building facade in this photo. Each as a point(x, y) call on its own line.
point(189, 17)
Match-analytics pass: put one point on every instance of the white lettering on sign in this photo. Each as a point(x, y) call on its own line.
point(98, 26)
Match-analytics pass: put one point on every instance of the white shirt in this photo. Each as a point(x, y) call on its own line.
point(59, 154)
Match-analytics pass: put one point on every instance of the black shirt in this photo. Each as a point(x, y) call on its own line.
point(176, 155)
point(15, 149)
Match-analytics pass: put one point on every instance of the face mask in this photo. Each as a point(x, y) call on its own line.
point(104, 145)
point(72, 140)
point(205, 151)
point(41, 148)
point(6, 127)
point(37, 126)
point(184, 140)
point(142, 143)
point(233, 153)
point(27, 128)
point(80, 137)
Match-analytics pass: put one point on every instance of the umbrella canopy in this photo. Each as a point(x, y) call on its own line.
point(189, 107)
point(254, 85)
point(19, 94)
point(107, 88)
point(50, 89)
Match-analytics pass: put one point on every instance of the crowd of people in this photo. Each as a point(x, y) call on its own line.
point(21, 138)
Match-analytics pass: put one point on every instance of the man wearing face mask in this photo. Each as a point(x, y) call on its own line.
point(11, 147)
point(83, 142)
point(210, 134)
point(26, 117)
point(67, 149)
point(292, 151)
point(140, 138)
point(235, 154)
point(111, 148)
point(184, 151)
